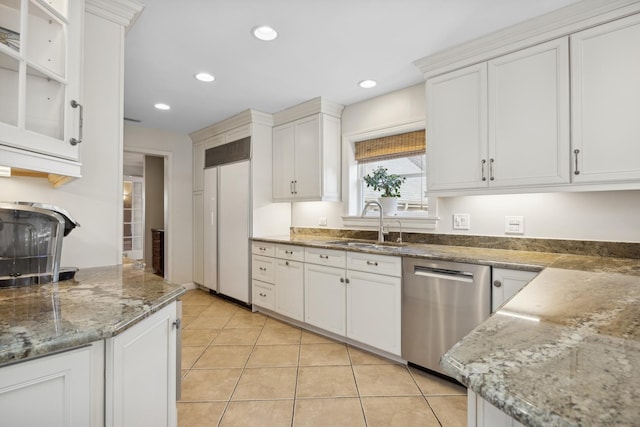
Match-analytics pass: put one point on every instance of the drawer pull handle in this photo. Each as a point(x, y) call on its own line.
point(288, 252)
point(483, 163)
point(262, 295)
point(372, 263)
point(324, 256)
point(491, 177)
point(577, 171)
point(262, 268)
point(262, 249)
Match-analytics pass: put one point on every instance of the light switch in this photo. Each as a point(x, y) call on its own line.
point(461, 221)
point(514, 224)
point(322, 221)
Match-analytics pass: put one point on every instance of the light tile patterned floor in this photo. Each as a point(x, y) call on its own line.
point(246, 369)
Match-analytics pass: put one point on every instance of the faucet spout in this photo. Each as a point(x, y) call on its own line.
point(380, 211)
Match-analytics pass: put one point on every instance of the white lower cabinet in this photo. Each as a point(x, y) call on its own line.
point(481, 413)
point(506, 283)
point(373, 310)
point(290, 288)
point(325, 298)
point(141, 373)
point(63, 389)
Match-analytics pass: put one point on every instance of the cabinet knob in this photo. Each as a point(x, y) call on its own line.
point(177, 323)
point(342, 280)
point(497, 283)
point(346, 281)
point(286, 263)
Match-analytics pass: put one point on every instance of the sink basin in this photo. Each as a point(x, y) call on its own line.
point(368, 245)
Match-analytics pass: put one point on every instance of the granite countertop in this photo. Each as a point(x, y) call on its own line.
point(555, 355)
point(98, 303)
point(499, 258)
point(565, 351)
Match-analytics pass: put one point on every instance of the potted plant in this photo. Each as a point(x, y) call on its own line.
point(381, 180)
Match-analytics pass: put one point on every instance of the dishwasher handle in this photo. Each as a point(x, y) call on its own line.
point(441, 273)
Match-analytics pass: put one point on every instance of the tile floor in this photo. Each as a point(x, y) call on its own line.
point(246, 369)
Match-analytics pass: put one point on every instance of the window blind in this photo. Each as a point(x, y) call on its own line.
point(391, 147)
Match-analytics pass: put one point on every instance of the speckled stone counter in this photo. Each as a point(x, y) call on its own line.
point(98, 303)
point(555, 355)
point(499, 258)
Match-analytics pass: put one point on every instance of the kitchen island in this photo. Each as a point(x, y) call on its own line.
point(565, 351)
point(99, 349)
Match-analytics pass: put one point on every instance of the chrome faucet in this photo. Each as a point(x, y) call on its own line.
point(381, 226)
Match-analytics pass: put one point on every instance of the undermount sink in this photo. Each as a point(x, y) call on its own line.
point(368, 245)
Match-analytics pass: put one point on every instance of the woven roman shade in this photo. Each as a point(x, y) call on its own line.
point(391, 147)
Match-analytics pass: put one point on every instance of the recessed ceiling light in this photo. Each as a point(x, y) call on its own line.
point(264, 33)
point(367, 84)
point(205, 77)
point(161, 106)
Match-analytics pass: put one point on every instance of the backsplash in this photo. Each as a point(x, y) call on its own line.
point(576, 247)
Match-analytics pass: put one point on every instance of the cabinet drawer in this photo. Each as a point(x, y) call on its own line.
point(381, 264)
point(291, 252)
point(263, 294)
point(261, 248)
point(263, 268)
point(328, 257)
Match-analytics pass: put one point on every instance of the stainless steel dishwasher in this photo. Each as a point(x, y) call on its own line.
point(441, 303)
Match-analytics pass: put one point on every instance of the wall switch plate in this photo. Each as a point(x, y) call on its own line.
point(514, 224)
point(322, 221)
point(461, 221)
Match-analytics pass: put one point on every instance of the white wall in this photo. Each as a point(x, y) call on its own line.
point(95, 200)
point(178, 220)
point(607, 216)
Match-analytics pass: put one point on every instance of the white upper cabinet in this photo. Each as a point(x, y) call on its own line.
point(40, 106)
point(306, 152)
point(605, 75)
point(457, 129)
point(529, 116)
point(501, 123)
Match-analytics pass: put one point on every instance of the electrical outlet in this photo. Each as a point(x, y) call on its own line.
point(322, 221)
point(461, 221)
point(514, 224)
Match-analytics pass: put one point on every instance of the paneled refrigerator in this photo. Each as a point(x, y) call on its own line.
point(227, 220)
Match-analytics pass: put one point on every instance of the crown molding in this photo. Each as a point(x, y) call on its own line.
point(306, 109)
point(247, 117)
point(552, 25)
point(123, 12)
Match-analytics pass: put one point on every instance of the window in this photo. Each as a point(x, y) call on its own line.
point(404, 155)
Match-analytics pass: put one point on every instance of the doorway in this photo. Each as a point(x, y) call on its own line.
point(144, 206)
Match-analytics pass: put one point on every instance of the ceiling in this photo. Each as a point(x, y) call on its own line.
point(324, 48)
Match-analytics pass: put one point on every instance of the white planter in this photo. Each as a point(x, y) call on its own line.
point(389, 205)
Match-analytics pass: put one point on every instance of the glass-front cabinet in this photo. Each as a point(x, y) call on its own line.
point(40, 62)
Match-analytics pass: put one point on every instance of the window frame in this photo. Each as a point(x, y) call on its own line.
point(352, 190)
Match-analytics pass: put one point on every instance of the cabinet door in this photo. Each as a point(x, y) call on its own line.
point(283, 161)
point(290, 288)
point(483, 414)
point(457, 129)
point(141, 373)
point(506, 283)
point(50, 391)
point(233, 230)
point(605, 65)
point(307, 159)
point(529, 116)
point(198, 238)
point(324, 298)
point(373, 310)
point(38, 84)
